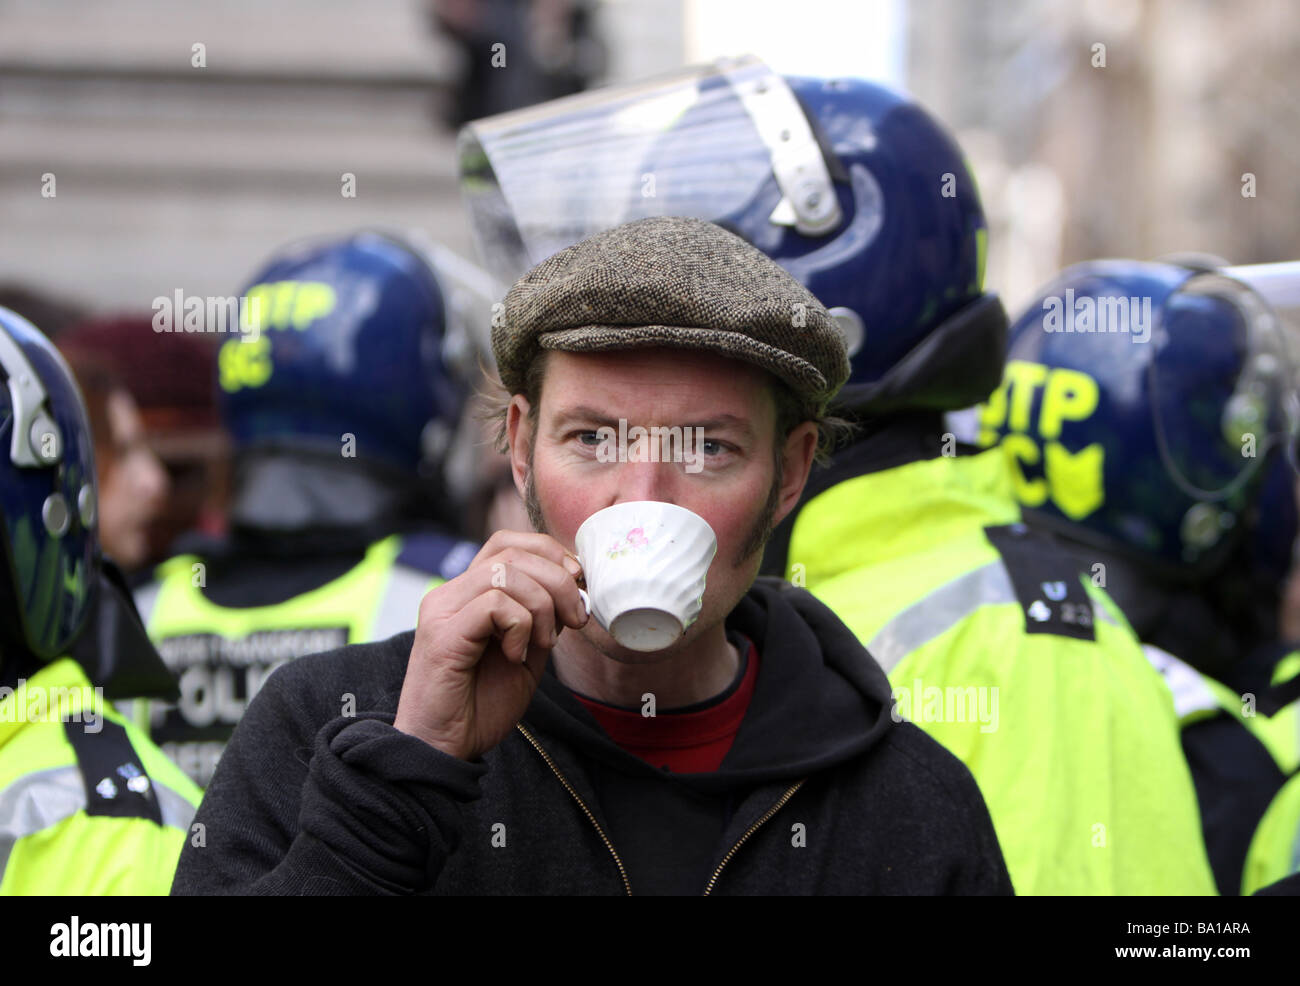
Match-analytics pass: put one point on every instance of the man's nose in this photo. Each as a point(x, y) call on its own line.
point(647, 481)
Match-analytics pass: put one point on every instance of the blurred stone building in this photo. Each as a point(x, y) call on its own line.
point(1119, 127)
point(154, 145)
point(169, 174)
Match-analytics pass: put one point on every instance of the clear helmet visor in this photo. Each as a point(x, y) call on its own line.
point(1243, 361)
point(1279, 286)
point(702, 142)
point(468, 296)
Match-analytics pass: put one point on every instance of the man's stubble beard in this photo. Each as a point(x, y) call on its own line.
point(531, 503)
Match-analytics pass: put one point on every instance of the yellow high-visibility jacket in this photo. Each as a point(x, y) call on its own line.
point(88, 805)
point(1002, 651)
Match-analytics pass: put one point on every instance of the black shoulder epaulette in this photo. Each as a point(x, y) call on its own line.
point(1046, 581)
point(116, 782)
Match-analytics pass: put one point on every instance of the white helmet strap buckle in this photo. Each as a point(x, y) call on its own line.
point(36, 441)
point(808, 200)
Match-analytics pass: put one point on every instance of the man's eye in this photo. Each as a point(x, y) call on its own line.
point(711, 446)
point(589, 438)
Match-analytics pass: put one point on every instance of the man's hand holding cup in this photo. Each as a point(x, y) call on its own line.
point(483, 640)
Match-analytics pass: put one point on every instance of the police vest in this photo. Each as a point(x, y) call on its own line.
point(1275, 847)
point(1238, 757)
point(1275, 850)
point(1198, 697)
point(88, 805)
point(1279, 730)
point(221, 655)
point(1026, 671)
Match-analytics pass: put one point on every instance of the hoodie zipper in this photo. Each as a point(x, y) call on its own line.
point(752, 829)
point(610, 846)
point(581, 804)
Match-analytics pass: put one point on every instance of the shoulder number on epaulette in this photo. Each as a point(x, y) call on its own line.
point(1046, 581)
point(113, 773)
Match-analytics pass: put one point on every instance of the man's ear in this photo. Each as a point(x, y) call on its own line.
point(797, 458)
point(519, 434)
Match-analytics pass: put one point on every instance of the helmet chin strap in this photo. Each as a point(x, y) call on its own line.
point(956, 365)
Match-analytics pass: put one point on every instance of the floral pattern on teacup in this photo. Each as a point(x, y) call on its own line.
point(633, 541)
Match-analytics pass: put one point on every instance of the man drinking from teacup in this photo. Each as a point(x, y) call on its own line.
point(699, 731)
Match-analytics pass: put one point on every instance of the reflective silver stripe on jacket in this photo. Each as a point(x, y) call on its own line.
point(399, 605)
point(935, 614)
point(177, 812)
point(44, 798)
point(1191, 694)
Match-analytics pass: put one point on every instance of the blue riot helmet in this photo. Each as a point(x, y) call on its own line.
point(59, 597)
point(851, 187)
point(47, 577)
point(1148, 408)
point(355, 348)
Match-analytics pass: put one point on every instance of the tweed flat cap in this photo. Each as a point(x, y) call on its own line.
point(677, 282)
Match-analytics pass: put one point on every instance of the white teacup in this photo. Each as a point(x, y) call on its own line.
point(645, 563)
